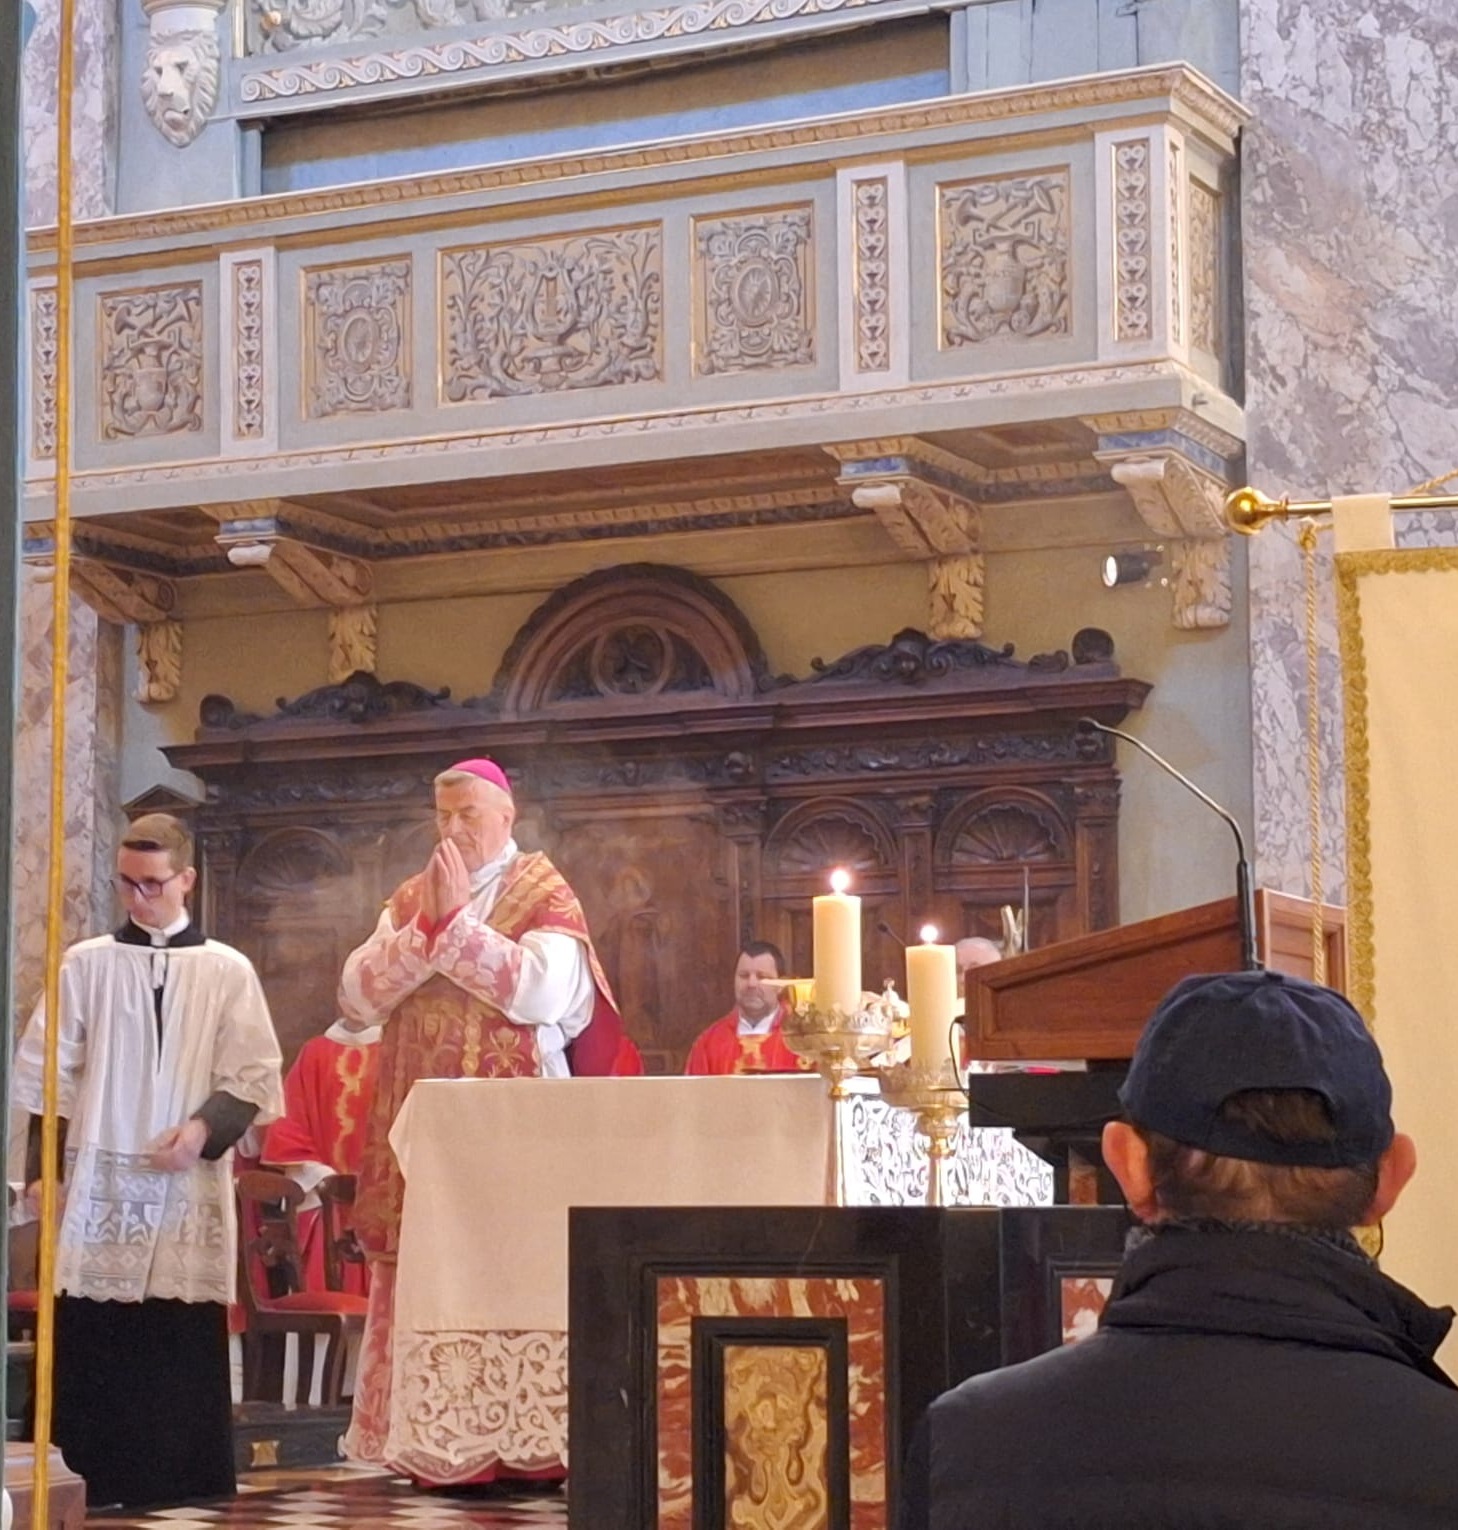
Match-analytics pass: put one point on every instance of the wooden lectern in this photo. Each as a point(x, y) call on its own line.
point(1089, 998)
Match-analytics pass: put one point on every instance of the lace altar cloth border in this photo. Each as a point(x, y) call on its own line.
point(883, 1160)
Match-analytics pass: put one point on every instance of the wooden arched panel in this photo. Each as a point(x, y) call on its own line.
point(631, 637)
point(690, 797)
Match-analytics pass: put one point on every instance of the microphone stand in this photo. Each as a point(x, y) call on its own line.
point(1244, 881)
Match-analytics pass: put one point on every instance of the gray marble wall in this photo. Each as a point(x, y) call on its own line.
point(94, 695)
point(1350, 211)
point(94, 120)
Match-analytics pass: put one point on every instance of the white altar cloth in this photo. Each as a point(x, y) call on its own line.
point(491, 1166)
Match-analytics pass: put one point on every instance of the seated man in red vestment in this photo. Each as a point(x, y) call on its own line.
point(480, 967)
point(748, 1039)
point(327, 1095)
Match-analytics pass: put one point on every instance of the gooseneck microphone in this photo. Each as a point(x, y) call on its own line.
point(1244, 882)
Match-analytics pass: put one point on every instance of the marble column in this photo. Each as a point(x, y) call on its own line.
point(1350, 247)
point(93, 121)
point(93, 761)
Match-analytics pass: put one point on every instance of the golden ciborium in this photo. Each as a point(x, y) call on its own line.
point(839, 1043)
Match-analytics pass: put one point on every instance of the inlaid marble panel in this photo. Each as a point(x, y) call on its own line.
point(1351, 335)
point(859, 1303)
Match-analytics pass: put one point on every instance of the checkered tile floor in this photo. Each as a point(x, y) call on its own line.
point(347, 1498)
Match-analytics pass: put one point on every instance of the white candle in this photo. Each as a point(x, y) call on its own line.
point(931, 993)
point(837, 927)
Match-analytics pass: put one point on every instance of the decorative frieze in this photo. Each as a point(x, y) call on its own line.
point(44, 333)
point(754, 291)
point(1204, 268)
point(1004, 258)
point(585, 311)
point(357, 338)
point(151, 343)
point(1133, 216)
point(248, 350)
point(871, 267)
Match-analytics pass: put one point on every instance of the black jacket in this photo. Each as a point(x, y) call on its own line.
point(1242, 1379)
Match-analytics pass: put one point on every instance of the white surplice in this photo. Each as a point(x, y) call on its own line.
point(129, 1232)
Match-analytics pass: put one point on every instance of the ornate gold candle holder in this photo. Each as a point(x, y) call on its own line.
point(839, 1043)
point(934, 1094)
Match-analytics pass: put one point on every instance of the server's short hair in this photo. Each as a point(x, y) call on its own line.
point(161, 831)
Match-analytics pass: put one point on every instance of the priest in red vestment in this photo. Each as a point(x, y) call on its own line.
point(749, 1038)
point(480, 967)
point(327, 1095)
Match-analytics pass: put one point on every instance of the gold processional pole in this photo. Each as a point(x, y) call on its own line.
point(45, 1335)
point(1248, 511)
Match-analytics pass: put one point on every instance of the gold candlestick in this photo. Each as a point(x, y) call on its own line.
point(840, 1043)
point(933, 1093)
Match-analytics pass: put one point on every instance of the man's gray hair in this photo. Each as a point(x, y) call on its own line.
point(469, 777)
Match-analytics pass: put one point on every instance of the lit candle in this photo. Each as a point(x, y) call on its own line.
point(931, 992)
point(837, 927)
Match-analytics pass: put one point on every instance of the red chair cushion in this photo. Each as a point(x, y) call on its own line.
point(318, 1301)
point(22, 1301)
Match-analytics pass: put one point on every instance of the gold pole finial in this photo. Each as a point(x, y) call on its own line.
point(1247, 510)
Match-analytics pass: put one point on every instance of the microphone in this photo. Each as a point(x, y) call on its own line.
point(885, 929)
point(1244, 883)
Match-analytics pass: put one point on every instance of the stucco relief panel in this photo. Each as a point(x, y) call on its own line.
point(1133, 220)
point(356, 338)
point(1005, 258)
point(151, 355)
point(248, 350)
point(584, 311)
point(1204, 268)
point(754, 298)
point(872, 274)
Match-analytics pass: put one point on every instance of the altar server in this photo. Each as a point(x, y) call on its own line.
point(167, 1054)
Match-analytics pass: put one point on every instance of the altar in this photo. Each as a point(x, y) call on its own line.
point(493, 1166)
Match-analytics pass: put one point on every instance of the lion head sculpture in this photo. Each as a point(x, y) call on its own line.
point(180, 83)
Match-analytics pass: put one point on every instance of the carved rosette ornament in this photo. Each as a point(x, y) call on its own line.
point(183, 67)
point(1005, 264)
point(579, 312)
point(151, 344)
point(357, 338)
point(754, 305)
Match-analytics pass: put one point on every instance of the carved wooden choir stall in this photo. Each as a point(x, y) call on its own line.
point(692, 797)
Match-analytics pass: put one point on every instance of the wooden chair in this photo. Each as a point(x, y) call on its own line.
point(336, 1227)
point(270, 1285)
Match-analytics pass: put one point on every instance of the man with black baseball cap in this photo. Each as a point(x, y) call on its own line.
point(1254, 1368)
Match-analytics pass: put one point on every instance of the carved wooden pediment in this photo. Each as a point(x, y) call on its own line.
point(692, 797)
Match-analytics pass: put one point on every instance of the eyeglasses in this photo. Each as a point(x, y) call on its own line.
point(148, 887)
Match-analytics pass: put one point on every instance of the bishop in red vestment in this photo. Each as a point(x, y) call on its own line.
point(749, 1039)
point(480, 967)
point(327, 1095)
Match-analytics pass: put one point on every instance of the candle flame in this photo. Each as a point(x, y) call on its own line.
point(839, 880)
point(929, 934)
